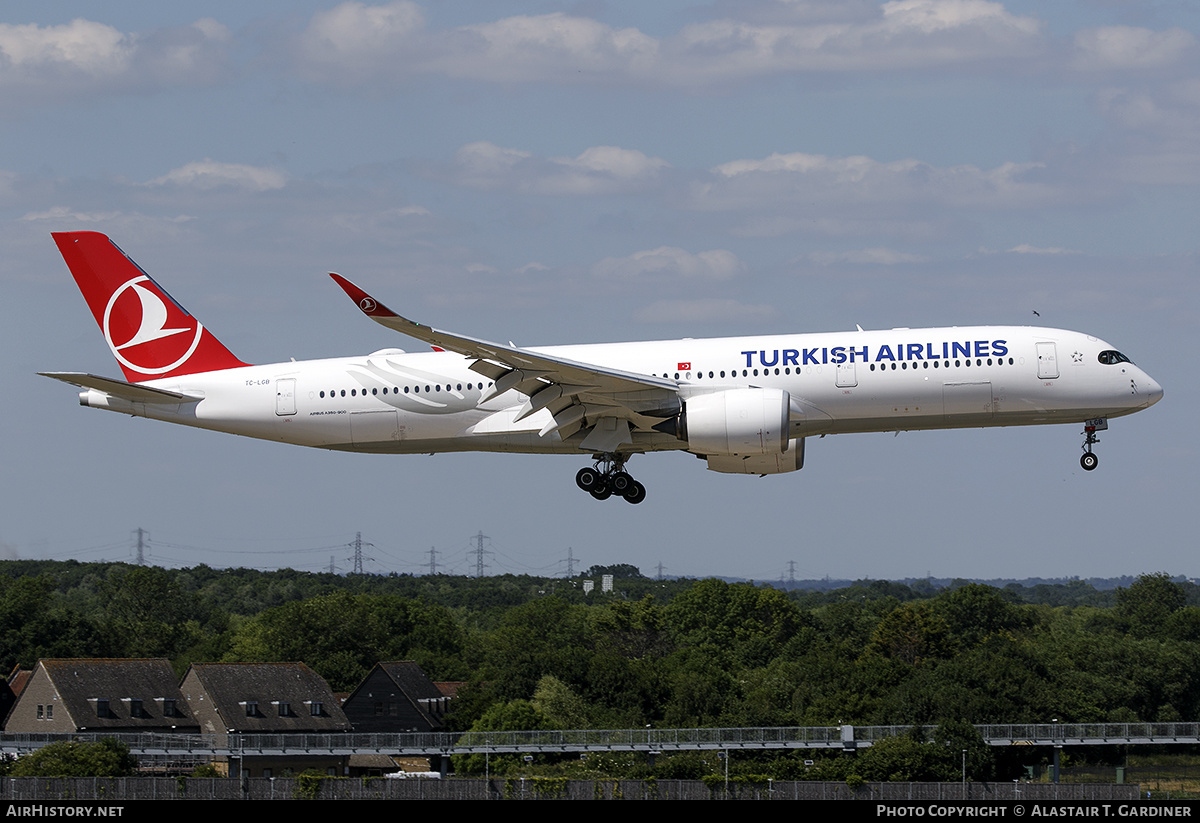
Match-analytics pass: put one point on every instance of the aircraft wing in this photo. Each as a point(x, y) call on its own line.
point(577, 394)
point(119, 388)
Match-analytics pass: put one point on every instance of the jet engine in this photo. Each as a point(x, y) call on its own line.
point(736, 421)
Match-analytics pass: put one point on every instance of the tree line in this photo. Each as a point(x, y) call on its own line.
point(540, 653)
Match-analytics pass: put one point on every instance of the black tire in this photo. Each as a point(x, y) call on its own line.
point(636, 493)
point(1089, 461)
point(587, 479)
point(621, 483)
point(601, 492)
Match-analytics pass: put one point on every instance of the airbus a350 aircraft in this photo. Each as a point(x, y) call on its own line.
point(744, 404)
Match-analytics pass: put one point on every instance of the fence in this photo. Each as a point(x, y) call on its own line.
point(19, 789)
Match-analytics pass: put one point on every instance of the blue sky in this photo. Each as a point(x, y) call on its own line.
point(550, 173)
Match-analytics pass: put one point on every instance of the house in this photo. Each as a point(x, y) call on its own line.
point(101, 695)
point(396, 697)
point(265, 698)
point(17, 679)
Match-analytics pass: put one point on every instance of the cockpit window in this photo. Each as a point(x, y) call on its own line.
point(1111, 358)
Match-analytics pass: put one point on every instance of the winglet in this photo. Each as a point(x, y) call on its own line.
point(369, 305)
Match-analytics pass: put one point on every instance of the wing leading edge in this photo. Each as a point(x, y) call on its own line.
point(578, 395)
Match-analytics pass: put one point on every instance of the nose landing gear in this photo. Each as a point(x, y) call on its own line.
point(608, 477)
point(1089, 461)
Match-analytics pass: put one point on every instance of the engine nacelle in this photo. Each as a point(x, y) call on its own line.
point(737, 421)
point(774, 463)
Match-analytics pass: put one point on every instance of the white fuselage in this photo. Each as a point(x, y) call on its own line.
point(902, 379)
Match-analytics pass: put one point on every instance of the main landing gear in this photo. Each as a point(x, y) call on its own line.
point(1089, 461)
point(608, 477)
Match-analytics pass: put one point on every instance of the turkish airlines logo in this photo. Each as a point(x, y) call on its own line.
point(134, 302)
point(367, 305)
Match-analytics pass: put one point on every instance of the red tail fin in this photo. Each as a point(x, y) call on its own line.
point(150, 334)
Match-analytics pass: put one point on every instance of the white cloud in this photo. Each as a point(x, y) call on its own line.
point(89, 47)
point(717, 264)
point(907, 34)
point(84, 57)
point(1128, 47)
point(57, 213)
point(354, 42)
point(598, 170)
point(1160, 144)
point(550, 47)
point(1026, 248)
point(1170, 112)
point(484, 165)
point(620, 163)
point(387, 226)
point(211, 174)
point(129, 227)
point(381, 46)
point(815, 182)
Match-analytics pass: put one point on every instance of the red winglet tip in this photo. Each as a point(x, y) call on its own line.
point(366, 303)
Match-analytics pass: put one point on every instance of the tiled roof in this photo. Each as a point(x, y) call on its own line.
point(82, 682)
point(412, 681)
point(232, 686)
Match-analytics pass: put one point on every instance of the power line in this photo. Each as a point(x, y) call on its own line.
point(358, 555)
point(479, 551)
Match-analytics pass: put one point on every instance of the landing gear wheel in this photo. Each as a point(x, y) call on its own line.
point(636, 493)
point(608, 477)
point(1090, 427)
point(587, 479)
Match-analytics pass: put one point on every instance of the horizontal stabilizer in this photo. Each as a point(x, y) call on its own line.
point(118, 388)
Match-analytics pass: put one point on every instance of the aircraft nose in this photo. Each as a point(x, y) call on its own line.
point(1153, 391)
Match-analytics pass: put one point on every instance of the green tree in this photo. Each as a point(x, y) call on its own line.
point(906, 757)
point(961, 738)
point(544, 636)
point(619, 571)
point(33, 626)
point(512, 716)
point(1149, 602)
point(148, 614)
point(341, 636)
point(749, 622)
point(974, 612)
point(105, 758)
point(912, 633)
point(562, 707)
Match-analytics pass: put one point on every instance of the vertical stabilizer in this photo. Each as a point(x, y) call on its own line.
point(150, 334)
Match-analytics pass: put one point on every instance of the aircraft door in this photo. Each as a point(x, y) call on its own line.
point(1047, 361)
point(285, 396)
point(846, 376)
